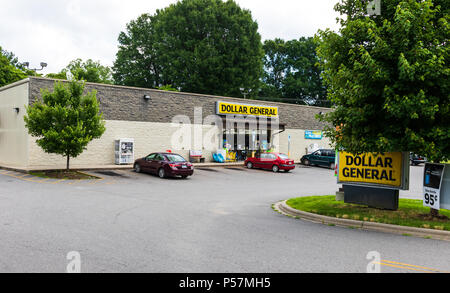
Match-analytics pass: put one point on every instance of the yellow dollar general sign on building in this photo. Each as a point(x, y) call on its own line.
point(383, 169)
point(225, 108)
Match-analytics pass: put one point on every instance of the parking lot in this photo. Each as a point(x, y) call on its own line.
point(219, 220)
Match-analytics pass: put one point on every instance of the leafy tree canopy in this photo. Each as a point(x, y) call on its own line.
point(65, 120)
point(201, 46)
point(291, 72)
point(11, 70)
point(89, 70)
point(388, 76)
point(167, 87)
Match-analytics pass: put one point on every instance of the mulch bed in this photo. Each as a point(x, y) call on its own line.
point(69, 175)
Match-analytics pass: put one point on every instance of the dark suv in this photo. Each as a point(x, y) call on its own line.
point(322, 157)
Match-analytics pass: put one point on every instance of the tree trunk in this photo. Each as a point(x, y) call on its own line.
point(67, 166)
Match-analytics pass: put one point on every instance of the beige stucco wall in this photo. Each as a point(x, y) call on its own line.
point(298, 143)
point(155, 137)
point(148, 136)
point(13, 135)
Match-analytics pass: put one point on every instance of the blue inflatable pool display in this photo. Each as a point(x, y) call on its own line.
point(218, 158)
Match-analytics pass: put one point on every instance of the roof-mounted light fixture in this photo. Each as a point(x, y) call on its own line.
point(27, 65)
point(245, 92)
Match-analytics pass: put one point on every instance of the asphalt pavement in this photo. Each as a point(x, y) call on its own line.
point(220, 221)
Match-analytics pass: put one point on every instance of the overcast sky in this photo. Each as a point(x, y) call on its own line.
point(58, 31)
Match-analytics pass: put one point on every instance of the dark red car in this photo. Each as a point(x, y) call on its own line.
point(164, 165)
point(271, 161)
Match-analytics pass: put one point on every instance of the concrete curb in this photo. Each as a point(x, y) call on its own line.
point(283, 208)
point(96, 177)
point(80, 169)
point(110, 167)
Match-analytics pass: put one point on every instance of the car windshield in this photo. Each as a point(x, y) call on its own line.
point(283, 157)
point(175, 158)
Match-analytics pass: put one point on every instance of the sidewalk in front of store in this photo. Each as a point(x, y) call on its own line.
point(104, 167)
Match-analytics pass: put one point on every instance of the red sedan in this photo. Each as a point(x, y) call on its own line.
point(271, 161)
point(164, 165)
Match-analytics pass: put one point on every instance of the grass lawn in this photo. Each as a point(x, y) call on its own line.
point(68, 175)
point(410, 213)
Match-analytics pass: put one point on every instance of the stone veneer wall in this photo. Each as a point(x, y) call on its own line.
point(128, 115)
point(128, 104)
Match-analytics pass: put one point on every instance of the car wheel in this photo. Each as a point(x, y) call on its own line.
point(275, 168)
point(306, 162)
point(250, 165)
point(161, 173)
point(332, 166)
point(137, 168)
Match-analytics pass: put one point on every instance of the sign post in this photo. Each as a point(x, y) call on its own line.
point(289, 146)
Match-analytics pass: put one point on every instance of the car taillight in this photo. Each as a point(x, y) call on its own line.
point(173, 166)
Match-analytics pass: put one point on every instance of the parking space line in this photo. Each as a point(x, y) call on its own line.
point(58, 181)
point(72, 182)
point(17, 175)
point(95, 181)
point(414, 266)
point(111, 182)
point(405, 266)
point(28, 176)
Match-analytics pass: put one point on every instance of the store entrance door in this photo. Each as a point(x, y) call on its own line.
point(243, 138)
point(243, 143)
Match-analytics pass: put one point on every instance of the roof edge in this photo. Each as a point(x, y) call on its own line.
point(14, 84)
point(186, 93)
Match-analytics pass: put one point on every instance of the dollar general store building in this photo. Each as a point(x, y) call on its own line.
point(146, 116)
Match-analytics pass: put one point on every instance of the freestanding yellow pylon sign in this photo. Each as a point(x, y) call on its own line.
point(387, 169)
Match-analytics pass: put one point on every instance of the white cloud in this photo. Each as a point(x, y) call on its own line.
point(57, 32)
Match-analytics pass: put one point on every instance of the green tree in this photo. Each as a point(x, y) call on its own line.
point(10, 68)
point(65, 120)
point(388, 76)
point(89, 70)
point(167, 87)
point(60, 75)
point(201, 46)
point(291, 72)
point(275, 69)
